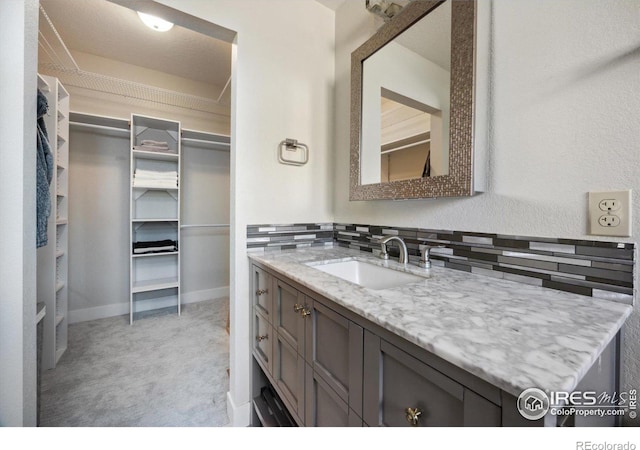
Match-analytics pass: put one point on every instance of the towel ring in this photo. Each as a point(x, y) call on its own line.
point(292, 145)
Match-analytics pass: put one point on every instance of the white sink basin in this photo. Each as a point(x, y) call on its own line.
point(368, 275)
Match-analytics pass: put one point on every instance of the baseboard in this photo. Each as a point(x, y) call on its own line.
point(206, 294)
point(239, 416)
point(119, 309)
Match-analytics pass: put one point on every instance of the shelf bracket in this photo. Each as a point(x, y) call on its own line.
point(140, 193)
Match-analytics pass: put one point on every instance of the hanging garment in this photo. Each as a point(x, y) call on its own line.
point(44, 174)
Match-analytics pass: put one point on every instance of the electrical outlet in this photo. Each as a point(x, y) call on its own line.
point(610, 213)
point(609, 204)
point(609, 220)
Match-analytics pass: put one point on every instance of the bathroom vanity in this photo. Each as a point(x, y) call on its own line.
point(446, 348)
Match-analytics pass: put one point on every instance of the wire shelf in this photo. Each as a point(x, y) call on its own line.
point(104, 83)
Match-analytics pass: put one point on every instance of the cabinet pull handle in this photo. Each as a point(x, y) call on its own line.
point(413, 416)
point(297, 308)
point(262, 338)
point(305, 312)
point(259, 292)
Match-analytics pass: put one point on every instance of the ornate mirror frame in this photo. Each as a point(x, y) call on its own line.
point(459, 181)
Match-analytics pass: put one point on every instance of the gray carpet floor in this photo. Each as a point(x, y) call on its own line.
point(162, 371)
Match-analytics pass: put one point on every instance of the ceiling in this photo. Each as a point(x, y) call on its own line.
point(333, 4)
point(105, 29)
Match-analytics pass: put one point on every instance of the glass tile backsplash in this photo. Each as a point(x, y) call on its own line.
point(593, 268)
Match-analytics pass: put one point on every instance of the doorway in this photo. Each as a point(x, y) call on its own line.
point(111, 67)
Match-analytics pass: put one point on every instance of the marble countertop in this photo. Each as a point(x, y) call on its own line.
point(513, 335)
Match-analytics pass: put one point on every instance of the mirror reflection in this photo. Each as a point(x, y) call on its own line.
point(406, 88)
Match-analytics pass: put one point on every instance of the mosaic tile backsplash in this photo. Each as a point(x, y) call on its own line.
point(593, 268)
point(283, 237)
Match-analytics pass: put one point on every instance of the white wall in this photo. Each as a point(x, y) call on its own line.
point(18, 46)
point(563, 120)
point(282, 88)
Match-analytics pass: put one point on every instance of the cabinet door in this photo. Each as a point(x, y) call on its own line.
point(323, 406)
point(288, 375)
point(262, 341)
point(400, 390)
point(261, 292)
point(334, 351)
point(288, 321)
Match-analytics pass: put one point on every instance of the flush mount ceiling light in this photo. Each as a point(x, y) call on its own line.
point(155, 23)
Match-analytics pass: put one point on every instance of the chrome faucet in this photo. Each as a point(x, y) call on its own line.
point(403, 248)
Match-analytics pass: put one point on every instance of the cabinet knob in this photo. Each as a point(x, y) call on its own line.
point(413, 416)
point(297, 308)
point(305, 312)
point(262, 338)
point(259, 292)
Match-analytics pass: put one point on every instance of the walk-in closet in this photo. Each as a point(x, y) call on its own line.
point(139, 121)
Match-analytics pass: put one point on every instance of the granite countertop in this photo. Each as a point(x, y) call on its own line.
point(513, 335)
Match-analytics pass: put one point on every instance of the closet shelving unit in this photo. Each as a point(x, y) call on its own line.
point(155, 216)
point(53, 259)
point(157, 209)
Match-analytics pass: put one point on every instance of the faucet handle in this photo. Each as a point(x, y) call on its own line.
point(384, 254)
point(425, 262)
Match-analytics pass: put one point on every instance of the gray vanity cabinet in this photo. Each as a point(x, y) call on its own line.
point(311, 354)
point(332, 367)
point(400, 390)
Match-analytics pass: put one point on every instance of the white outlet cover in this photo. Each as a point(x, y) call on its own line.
point(623, 198)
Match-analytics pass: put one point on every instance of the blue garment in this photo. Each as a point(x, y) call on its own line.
point(44, 174)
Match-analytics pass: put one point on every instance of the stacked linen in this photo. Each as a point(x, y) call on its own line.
point(163, 246)
point(155, 178)
point(149, 145)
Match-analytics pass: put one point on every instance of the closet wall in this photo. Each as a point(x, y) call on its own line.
point(99, 236)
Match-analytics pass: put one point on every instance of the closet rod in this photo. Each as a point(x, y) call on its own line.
point(219, 142)
point(99, 127)
point(204, 141)
point(208, 225)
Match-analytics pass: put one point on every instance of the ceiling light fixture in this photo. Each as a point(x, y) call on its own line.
point(155, 23)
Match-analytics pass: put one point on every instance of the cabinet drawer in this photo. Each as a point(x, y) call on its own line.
point(261, 292)
point(263, 341)
point(400, 390)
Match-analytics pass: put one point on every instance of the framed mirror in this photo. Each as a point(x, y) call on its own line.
point(412, 105)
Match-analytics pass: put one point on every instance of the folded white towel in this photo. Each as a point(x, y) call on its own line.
point(154, 143)
point(153, 148)
point(155, 174)
point(154, 183)
point(167, 248)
